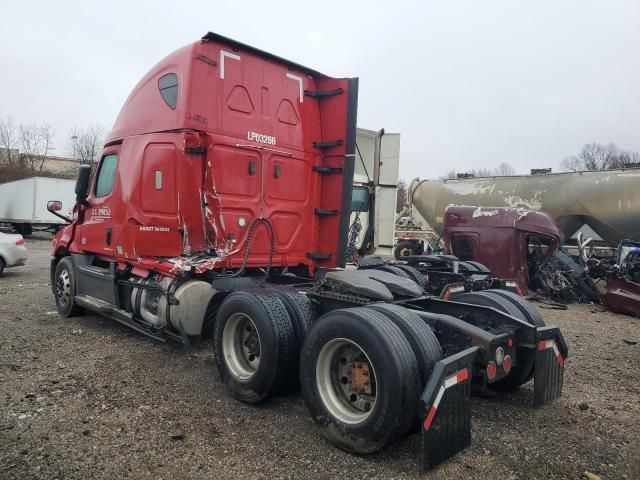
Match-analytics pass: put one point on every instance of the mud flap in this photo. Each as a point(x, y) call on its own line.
point(446, 409)
point(551, 352)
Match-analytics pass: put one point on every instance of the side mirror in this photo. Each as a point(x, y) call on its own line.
point(82, 183)
point(54, 205)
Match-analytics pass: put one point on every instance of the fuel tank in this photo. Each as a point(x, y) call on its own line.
point(607, 201)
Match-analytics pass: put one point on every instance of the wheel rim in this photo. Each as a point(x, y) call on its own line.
point(63, 287)
point(241, 346)
point(346, 381)
point(406, 252)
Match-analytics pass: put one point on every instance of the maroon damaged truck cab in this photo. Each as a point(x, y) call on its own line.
point(220, 207)
point(500, 238)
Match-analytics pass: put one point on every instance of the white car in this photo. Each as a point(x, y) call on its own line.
point(12, 251)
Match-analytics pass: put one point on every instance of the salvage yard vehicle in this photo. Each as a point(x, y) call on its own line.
point(221, 207)
point(622, 293)
point(13, 252)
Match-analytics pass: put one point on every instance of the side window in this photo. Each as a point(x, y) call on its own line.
point(360, 199)
point(464, 248)
point(106, 175)
point(168, 85)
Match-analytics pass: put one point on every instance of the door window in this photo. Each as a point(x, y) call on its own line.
point(106, 175)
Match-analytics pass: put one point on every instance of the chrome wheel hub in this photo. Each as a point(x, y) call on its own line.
point(241, 346)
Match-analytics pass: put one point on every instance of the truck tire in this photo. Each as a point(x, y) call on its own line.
point(405, 249)
point(393, 269)
point(210, 315)
point(64, 289)
point(423, 341)
point(522, 371)
point(2, 265)
point(533, 316)
point(340, 347)
point(300, 310)
point(255, 345)
point(468, 266)
point(414, 274)
point(479, 266)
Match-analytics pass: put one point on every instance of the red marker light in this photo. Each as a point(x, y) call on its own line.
point(510, 342)
point(506, 364)
point(20, 242)
point(491, 370)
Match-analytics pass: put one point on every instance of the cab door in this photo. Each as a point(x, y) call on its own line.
point(96, 234)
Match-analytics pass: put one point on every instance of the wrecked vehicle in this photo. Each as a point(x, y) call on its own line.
point(523, 245)
point(513, 242)
point(622, 293)
point(221, 206)
point(519, 244)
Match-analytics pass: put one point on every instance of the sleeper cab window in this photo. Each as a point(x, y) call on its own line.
point(106, 175)
point(168, 85)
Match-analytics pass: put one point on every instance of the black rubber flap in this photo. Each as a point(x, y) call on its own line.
point(548, 376)
point(446, 406)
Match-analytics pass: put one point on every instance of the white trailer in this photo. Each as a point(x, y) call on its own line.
point(23, 203)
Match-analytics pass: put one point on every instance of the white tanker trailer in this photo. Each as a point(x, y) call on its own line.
point(606, 201)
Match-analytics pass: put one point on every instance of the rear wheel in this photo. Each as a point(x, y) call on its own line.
point(2, 265)
point(525, 357)
point(479, 266)
point(424, 343)
point(414, 274)
point(64, 289)
point(255, 345)
point(533, 316)
point(359, 379)
point(393, 269)
point(300, 310)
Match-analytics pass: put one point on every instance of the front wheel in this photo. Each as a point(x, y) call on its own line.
point(64, 289)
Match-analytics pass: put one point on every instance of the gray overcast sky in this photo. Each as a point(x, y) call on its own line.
point(467, 84)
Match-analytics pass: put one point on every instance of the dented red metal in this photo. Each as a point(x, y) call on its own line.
point(622, 295)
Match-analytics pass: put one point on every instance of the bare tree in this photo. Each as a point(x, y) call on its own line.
point(505, 169)
point(401, 196)
point(36, 142)
point(8, 135)
point(573, 163)
point(595, 156)
point(86, 144)
point(482, 172)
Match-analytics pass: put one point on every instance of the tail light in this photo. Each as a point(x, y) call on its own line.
point(506, 364)
point(491, 370)
point(20, 241)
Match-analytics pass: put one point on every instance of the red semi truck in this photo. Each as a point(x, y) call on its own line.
point(221, 207)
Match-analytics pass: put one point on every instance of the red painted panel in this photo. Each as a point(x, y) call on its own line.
point(158, 179)
point(234, 106)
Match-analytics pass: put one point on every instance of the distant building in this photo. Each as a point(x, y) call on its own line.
point(63, 166)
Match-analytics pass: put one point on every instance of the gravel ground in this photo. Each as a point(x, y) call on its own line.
point(88, 398)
